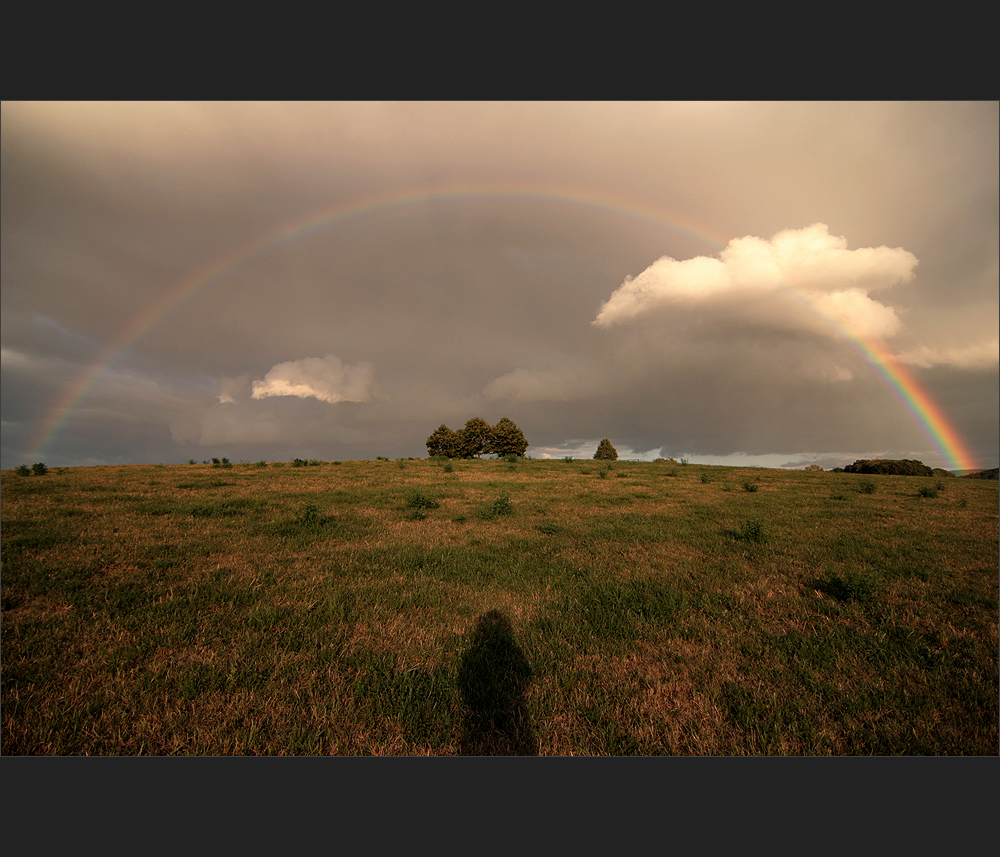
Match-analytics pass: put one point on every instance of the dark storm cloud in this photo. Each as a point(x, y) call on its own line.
point(360, 337)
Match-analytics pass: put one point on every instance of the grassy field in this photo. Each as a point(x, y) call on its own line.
point(493, 608)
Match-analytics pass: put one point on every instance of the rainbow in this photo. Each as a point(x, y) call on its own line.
point(915, 399)
point(927, 414)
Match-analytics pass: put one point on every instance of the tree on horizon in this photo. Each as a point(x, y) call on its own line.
point(605, 451)
point(474, 438)
point(443, 441)
point(507, 439)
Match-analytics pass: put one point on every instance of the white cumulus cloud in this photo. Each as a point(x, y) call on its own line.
point(808, 264)
point(325, 378)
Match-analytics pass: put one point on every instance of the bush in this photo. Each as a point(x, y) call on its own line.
point(500, 506)
point(416, 500)
point(23, 470)
point(752, 531)
point(890, 467)
point(310, 517)
point(850, 586)
point(928, 491)
point(750, 486)
point(867, 486)
point(39, 469)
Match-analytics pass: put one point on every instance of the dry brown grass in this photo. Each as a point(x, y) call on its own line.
point(195, 610)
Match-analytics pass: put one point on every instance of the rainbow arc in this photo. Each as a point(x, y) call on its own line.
point(914, 398)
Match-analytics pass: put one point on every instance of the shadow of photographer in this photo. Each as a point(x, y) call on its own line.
point(493, 677)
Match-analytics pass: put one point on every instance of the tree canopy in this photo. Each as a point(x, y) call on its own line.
point(478, 438)
point(443, 441)
point(507, 439)
point(605, 451)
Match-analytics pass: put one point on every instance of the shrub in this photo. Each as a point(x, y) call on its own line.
point(605, 451)
point(927, 491)
point(418, 500)
point(750, 486)
point(889, 466)
point(849, 586)
point(310, 516)
point(867, 486)
point(500, 506)
point(752, 531)
point(39, 469)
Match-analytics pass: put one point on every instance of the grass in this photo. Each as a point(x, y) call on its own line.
point(365, 608)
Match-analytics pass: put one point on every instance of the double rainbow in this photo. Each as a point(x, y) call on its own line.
point(914, 398)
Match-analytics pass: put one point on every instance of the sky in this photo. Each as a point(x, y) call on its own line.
point(771, 284)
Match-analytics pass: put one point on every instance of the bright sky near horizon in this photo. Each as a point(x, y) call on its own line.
point(776, 284)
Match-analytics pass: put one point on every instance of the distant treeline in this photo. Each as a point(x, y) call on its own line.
point(985, 474)
point(888, 466)
point(910, 467)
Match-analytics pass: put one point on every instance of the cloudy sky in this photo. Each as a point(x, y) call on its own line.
point(775, 284)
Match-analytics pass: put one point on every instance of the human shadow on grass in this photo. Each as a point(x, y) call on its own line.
point(492, 677)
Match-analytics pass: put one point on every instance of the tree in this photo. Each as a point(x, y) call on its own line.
point(605, 451)
point(443, 441)
point(474, 439)
point(507, 439)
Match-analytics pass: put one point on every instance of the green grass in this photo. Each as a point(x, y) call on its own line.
point(365, 608)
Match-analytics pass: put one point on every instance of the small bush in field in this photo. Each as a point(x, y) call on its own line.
point(23, 470)
point(750, 486)
point(928, 491)
point(849, 586)
point(310, 516)
point(752, 531)
point(418, 500)
point(500, 506)
point(867, 486)
point(39, 469)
